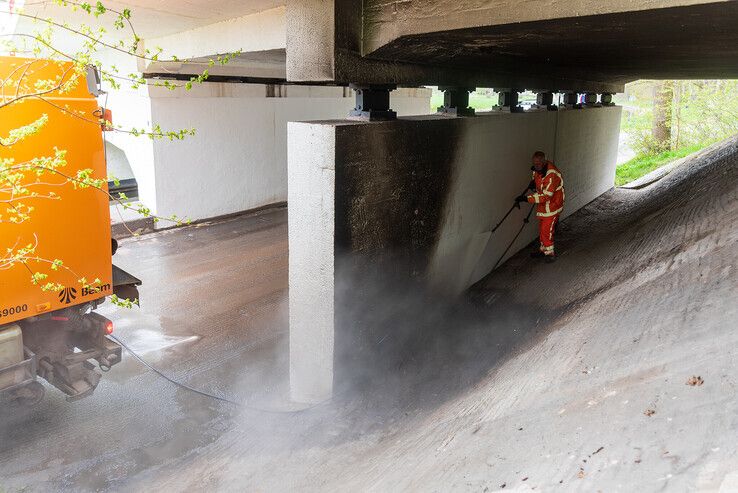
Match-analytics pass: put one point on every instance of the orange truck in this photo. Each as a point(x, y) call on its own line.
point(55, 239)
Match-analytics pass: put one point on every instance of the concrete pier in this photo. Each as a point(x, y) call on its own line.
point(415, 199)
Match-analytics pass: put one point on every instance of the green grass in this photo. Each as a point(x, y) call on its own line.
point(642, 165)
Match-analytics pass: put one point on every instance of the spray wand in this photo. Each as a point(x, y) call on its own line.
point(526, 220)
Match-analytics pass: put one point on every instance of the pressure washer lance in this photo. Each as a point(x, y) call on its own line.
point(512, 208)
point(525, 221)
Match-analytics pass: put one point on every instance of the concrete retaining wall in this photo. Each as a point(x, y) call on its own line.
point(415, 199)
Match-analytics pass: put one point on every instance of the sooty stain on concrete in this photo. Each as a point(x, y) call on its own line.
point(390, 204)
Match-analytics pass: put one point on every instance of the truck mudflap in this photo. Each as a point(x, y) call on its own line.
point(125, 285)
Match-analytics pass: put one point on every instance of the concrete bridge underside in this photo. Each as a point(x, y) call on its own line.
point(436, 182)
point(585, 45)
point(411, 202)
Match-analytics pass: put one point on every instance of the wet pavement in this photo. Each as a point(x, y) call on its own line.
point(213, 315)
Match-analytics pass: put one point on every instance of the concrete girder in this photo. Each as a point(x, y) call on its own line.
point(260, 38)
point(665, 40)
point(324, 45)
point(597, 47)
point(387, 21)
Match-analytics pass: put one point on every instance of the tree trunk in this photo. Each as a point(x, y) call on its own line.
point(677, 110)
point(663, 94)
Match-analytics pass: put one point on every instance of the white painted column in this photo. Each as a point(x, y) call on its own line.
point(311, 185)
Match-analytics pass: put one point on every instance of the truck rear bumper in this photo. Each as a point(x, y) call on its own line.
point(20, 374)
point(67, 346)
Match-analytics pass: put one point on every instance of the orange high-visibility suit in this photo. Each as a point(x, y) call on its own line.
point(549, 197)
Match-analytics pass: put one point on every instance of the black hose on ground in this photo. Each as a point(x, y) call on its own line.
point(207, 394)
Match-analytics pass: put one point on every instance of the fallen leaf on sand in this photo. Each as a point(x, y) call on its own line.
point(695, 381)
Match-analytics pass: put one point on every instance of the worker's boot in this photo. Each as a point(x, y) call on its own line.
point(537, 254)
point(550, 259)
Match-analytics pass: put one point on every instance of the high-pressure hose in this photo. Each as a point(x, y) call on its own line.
point(208, 394)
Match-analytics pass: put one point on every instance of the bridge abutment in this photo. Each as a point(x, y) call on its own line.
point(414, 199)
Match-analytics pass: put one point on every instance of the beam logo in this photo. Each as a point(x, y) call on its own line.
point(66, 295)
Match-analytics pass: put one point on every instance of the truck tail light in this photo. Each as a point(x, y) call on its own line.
point(107, 120)
point(108, 327)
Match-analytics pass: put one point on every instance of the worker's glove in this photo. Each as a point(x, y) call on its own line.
point(532, 186)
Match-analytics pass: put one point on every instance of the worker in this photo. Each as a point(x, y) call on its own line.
point(547, 192)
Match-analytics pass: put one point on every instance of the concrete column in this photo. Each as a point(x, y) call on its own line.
point(413, 200)
point(311, 215)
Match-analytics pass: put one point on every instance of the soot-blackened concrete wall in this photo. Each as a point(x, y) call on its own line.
point(415, 199)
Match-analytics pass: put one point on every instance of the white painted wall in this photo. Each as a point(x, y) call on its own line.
point(238, 158)
point(131, 109)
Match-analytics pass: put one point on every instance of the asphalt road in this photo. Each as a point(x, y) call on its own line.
point(213, 314)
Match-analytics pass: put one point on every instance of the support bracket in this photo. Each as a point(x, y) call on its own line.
point(544, 100)
point(372, 102)
point(571, 100)
point(509, 100)
point(456, 101)
point(590, 100)
point(606, 99)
